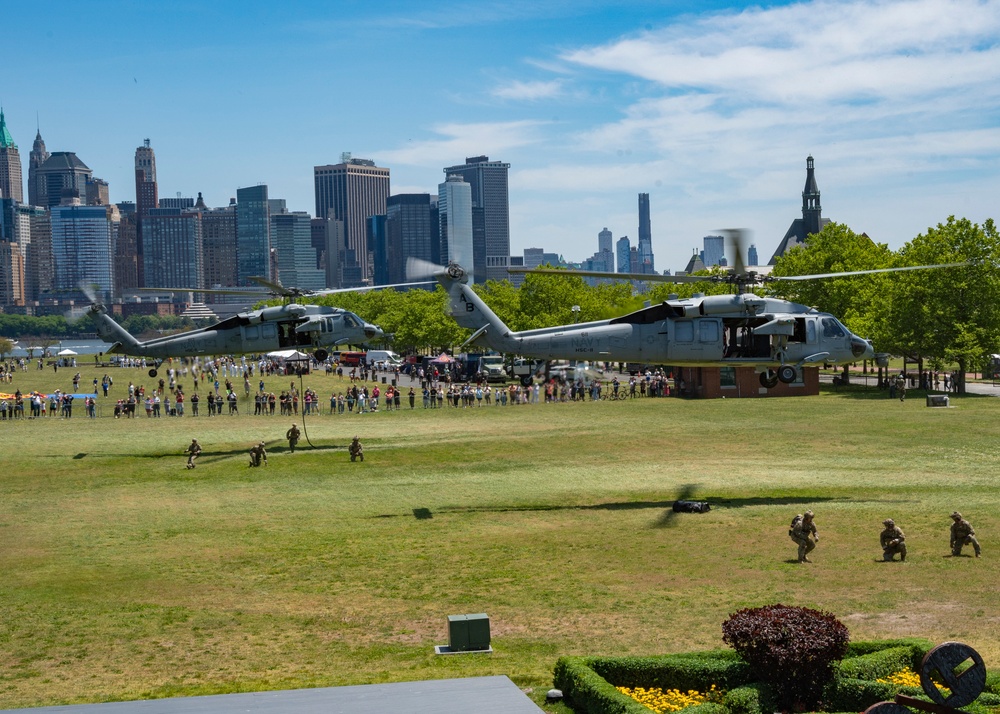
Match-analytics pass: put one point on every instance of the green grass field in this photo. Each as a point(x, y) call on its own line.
point(127, 576)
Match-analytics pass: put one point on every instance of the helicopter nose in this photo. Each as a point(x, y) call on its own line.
point(862, 349)
point(373, 331)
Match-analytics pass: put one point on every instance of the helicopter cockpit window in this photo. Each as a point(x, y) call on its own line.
point(351, 321)
point(832, 328)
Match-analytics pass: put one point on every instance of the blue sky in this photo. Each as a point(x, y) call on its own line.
point(711, 113)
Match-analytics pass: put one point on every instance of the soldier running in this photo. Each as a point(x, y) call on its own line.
point(892, 539)
point(293, 437)
point(802, 528)
point(962, 534)
point(193, 451)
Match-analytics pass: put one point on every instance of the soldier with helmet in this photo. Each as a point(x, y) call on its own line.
point(801, 530)
point(356, 450)
point(962, 534)
point(193, 451)
point(258, 454)
point(892, 539)
point(293, 435)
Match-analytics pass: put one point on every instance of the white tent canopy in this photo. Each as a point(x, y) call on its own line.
point(66, 353)
point(288, 355)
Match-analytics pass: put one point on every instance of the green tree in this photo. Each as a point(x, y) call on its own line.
point(6, 347)
point(951, 313)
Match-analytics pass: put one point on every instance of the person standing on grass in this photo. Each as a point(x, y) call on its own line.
point(292, 435)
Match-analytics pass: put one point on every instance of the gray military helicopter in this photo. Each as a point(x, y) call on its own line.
point(288, 326)
point(775, 336)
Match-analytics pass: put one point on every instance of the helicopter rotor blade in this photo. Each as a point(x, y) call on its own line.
point(88, 290)
point(646, 277)
point(276, 288)
point(365, 288)
point(820, 276)
point(736, 243)
point(418, 269)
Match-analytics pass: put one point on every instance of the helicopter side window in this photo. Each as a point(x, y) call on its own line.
point(251, 332)
point(684, 331)
point(267, 331)
point(832, 328)
point(811, 332)
point(708, 331)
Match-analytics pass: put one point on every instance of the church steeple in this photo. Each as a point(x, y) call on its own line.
point(812, 212)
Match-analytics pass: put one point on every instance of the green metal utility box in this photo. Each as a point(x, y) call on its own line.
point(468, 633)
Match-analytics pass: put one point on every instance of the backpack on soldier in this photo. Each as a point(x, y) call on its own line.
point(795, 522)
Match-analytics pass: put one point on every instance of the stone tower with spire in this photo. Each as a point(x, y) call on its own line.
point(36, 158)
point(11, 184)
point(812, 220)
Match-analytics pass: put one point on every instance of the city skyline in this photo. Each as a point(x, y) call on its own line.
point(710, 113)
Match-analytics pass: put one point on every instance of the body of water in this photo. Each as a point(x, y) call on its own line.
point(81, 347)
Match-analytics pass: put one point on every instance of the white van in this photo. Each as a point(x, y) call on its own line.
point(387, 357)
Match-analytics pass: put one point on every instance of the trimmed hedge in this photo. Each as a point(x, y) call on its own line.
point(587, 681)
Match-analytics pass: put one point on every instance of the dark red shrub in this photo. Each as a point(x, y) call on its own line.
point(792, 649)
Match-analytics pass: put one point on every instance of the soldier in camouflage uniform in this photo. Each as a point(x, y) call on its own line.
point(258, 454)
point(356, 450)
point(962, 534)
point(892, 539)
point(802, 528)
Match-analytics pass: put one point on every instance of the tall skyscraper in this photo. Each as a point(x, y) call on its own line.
point(622, 252)
point(82, 247)
point(291, 242)
point(752, 255)
point(146, 197)
point(488, 181)
point(350, 192)
point(62, 171)
point(605, 241)
point(408, 231)
point(645, 247)
point(253, 234)
point(126, 249)
point(39, 263)
point(455, 215)
point(218, 240)
point(11, 182)
point(36, 158)
point(172, 249)
point(715, 249)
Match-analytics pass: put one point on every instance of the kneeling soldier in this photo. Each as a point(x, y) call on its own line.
point(892, 541)
point(962, 534)
point(258, 455)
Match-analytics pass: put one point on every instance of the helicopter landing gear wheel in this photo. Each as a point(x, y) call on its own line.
point(321, 355)
point(787, 373)
point(152, 372)
point(769, 379)
point(527, 381)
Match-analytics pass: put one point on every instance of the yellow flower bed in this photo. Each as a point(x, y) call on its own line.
point(670, 700)
point(905, 677)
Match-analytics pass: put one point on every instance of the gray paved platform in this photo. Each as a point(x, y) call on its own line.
point(479, 695)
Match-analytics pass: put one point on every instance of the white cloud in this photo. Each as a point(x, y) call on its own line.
point(529, 91)
point(461, 140)
point(894, 98)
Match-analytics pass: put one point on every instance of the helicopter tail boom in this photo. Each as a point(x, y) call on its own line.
point(111, 331)
point(468, 310)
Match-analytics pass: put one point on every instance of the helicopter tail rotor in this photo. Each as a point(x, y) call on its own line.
point(417, 269)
